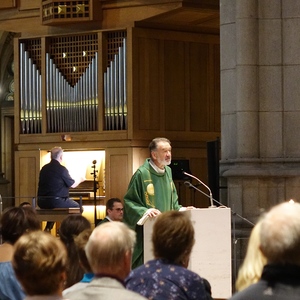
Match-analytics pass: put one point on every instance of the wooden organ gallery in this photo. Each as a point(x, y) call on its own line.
point(112, 83)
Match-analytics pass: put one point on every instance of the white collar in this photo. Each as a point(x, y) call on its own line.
point(156, 168)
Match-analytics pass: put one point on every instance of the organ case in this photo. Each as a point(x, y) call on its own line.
point(69, 84)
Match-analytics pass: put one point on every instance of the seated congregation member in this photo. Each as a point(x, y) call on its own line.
point(39, 262)
point(15, 221)
point(25, 204)
point(167, 276)
point(251, 269)
point(80, 243)
point(69, 229)
point(280, 243)
point(109, 252)
point(114, 210)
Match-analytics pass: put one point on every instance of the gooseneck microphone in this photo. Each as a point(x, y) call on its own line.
point(187, 183)
point(210, 193)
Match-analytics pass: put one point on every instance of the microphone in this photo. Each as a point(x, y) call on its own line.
point(94, 161)
point(188, 184)
point(210, 193)
point(191, 186)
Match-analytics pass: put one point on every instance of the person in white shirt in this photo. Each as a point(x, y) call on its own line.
point(114, 210)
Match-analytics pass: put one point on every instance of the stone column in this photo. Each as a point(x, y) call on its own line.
point(260, 105)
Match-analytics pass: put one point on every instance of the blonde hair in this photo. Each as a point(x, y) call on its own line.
point(280, 234)
point(251, 269)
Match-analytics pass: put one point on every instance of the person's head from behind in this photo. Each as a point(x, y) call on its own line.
point(251, 269)
point(160, 151)
point(280, 234)
point(109, 249)
point(25, 204)
point(114, 209)
point(69, 229)
point(173, 237)
point(57, 153)
point(15, 221)
point(71, 226)
point(39, 262)
point(80, 243)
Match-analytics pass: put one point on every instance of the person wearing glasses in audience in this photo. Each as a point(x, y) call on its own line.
point(114, 211)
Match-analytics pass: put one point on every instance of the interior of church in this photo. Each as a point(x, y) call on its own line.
point(102, 78)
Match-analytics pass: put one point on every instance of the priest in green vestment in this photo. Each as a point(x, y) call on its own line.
point(150, 192)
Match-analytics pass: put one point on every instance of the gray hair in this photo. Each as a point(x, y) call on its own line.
point(107, 245)
point(56, 152)
point(280, 234)
point(153, 144)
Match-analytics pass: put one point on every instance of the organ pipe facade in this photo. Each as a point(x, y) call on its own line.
point(70, 102)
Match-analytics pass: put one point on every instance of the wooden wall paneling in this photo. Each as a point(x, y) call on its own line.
point(118, 169)
point(187, 89)
point(199, 169)
point(118, 172)
point(7, 4)
point(184, 97)
point(148, 85)
point(199, 86)
point(29, 4)
point(161, 76)
point(139, 156)
point(27, 168)
point(174, 85)
point(7, 147)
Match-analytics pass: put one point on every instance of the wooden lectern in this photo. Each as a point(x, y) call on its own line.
point(211, 254)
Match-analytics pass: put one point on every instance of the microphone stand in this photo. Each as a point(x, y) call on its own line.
point(210, 193)
point(216, 201)
point(95, 190)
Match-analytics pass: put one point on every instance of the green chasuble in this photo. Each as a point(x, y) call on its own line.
point(148, 189)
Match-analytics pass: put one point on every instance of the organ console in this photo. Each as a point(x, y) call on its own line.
point(84, 189)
